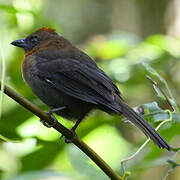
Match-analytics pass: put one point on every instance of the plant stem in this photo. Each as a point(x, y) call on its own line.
point(63, 130)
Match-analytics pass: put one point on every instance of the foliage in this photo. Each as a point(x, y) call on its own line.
point(30, 151)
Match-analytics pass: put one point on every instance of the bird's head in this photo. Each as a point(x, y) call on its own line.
point(41, 39)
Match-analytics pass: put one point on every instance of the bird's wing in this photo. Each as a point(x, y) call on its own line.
point(79, 80)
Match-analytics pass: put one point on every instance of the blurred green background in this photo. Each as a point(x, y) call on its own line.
point(129, 40)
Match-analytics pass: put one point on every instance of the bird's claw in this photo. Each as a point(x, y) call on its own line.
point(50, 112)
point(47, 124)
point(61, 136)
point(69, 140)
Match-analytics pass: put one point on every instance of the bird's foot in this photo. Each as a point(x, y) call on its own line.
point(73, 137)
point(45, 123)
point(50, 112)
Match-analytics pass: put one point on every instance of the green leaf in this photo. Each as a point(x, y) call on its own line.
point(159, 93)
point(42, 157)
point(151, 107)
point(176, 149)
point(34, 175)
point(4, 139)
point(11, 120)
point(166, 43)
point(126, 174)
point(170, 97)
point(173, 163)
point(1, 173)
point(153, 113)
point(176, 118)
point(8, 8)
point(83, 165)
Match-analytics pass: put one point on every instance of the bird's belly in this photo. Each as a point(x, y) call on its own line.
point(48, 94)
point(53, 98)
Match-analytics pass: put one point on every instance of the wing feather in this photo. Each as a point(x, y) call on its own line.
point(80, 80)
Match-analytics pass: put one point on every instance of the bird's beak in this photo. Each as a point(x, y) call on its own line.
point(19, 43)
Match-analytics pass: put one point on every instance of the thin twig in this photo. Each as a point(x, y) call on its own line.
point(63, 130)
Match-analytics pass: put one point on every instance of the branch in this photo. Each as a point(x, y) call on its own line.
point(63, 130)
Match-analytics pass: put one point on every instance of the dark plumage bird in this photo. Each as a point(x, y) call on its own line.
point(70, 83)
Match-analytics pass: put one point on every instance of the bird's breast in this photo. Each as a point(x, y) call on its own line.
point(29, 69)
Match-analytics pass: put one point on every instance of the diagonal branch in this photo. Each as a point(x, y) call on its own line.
point(63, 130)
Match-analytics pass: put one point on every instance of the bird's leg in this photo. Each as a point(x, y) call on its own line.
point(73, 131)
point(50, 112)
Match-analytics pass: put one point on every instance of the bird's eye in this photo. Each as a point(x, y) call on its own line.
point(34, 40)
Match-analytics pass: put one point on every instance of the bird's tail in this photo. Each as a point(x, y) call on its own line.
point(138, 121)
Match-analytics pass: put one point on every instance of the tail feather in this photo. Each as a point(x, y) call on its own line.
point(138, 121)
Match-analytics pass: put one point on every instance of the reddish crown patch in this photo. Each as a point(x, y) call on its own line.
point(46, 29)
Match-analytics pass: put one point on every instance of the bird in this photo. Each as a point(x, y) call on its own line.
point(71, 84)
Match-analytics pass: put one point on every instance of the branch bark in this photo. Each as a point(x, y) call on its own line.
point(63, 130)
